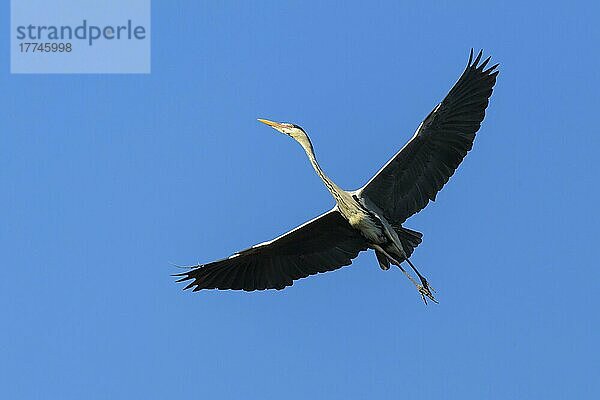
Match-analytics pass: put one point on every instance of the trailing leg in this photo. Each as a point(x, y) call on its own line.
point(424, 289)
point(427, 288)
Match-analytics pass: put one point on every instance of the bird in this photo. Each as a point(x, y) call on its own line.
point(371, 217)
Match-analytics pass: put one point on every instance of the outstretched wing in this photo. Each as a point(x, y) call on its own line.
point(420, 169)
point(323, 244)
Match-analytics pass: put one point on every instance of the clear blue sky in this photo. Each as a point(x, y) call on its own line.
point(107, 179)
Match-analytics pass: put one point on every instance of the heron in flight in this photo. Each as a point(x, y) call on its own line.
point(372, 216)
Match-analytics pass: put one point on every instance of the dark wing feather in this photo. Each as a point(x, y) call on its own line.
point(323, 244)
point(420, 169)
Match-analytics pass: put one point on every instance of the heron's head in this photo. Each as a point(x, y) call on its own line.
point(292, 130)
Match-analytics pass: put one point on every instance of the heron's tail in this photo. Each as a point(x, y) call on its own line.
point(383, 261)
point(409, 239)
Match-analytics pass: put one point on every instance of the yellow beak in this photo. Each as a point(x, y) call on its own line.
point(270, 123)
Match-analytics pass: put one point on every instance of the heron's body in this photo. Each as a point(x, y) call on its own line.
point(347, 203)
point(361, 214)
point(371, 217)
point(372, 226)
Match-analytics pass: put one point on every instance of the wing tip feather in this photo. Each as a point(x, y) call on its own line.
point(474, 64)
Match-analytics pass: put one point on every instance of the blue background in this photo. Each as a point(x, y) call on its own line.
point(107, 179)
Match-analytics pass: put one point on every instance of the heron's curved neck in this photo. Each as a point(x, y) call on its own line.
point(334, 189)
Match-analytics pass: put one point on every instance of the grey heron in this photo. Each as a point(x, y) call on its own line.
point(372, 216)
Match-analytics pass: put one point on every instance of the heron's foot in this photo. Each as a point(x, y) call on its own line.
point(426, 284)
point(426, 291)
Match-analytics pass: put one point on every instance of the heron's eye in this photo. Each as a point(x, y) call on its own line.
point(298, 127)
